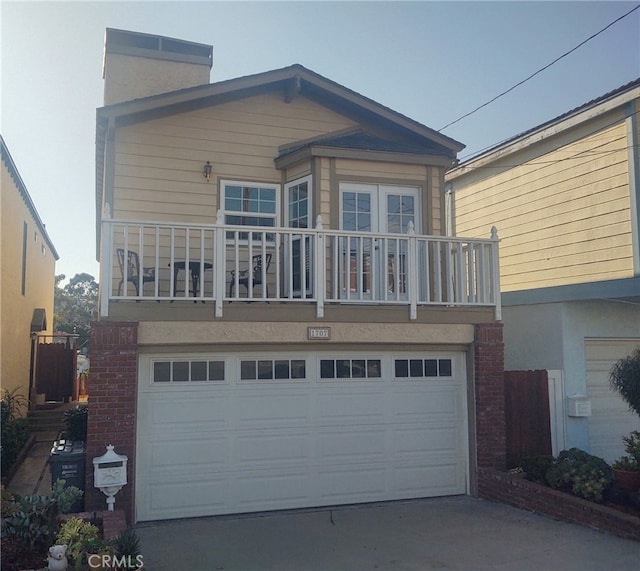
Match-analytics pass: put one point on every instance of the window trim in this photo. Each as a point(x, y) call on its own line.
point(249, 184)
point(287, 189)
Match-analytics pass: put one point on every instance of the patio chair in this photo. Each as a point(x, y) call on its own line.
point(133, 270)
point(255, 278)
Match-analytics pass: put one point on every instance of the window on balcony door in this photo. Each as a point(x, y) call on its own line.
point(376, 267)
point(299, 215)
point(250, 204)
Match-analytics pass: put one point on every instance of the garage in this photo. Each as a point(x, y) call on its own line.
point(237, 433)
point(610, 418)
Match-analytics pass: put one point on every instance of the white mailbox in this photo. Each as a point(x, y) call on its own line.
point(110, 474)
point(579, 406)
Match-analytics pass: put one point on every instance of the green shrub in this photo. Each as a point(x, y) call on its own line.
point(127, 544)
point(14, 430)
point(75, 420)
point(584, 475)
point(32, 522)
point(76, 533)
point(535, 467)
point(65, 497)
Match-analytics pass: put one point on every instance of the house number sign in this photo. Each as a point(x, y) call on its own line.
point(319, 333)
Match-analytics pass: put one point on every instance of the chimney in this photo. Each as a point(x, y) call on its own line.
point(138, 65)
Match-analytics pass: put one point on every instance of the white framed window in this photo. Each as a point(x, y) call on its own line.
point(273, 369)
point(250, 203)
point(415, 368)
point(299, 201)
point(350, 368)
point(187, 371)
point(298, 197)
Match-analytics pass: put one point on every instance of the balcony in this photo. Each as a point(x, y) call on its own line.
point(220, 264)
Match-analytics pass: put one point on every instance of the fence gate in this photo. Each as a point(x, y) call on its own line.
point(527, 415)
point(56, 367)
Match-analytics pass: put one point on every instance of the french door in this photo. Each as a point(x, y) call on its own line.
point(376, 267)
point(299, 250)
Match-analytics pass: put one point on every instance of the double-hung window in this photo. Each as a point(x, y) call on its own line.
point(250, 204)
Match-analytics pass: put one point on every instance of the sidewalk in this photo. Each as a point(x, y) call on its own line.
point(34, 476)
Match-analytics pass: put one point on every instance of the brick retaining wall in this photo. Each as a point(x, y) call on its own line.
point(515, 490)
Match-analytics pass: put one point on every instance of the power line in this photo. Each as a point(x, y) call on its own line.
point(584, 153)
point(539, 71)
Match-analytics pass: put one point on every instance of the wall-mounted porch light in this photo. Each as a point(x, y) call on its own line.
point(206, 171)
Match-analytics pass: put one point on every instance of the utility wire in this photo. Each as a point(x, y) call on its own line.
point(539, 71)
point(584, 153)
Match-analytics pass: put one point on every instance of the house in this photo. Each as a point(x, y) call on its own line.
point(27, 282)
point(566, 198)
point(283, 322)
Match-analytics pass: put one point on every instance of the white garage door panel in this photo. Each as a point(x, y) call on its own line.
point(170, 413)
point(173, 499)
point(244, 446)
point(432, 402)
point(611, 418)
point(352, 407)
point(427, 439)
point(272, 409)
point(271, 448)
point(442, 480)
point(356, 446)
point(188, 454)
point(265, 491)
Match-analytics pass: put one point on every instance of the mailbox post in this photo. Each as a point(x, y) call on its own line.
point(110, 474)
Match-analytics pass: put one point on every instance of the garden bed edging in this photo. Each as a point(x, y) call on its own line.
point(516, 491)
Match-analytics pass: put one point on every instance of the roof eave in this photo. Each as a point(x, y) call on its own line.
point(545, 130)
point(361, 154)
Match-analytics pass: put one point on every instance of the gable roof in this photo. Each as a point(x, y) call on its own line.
point(295, 79)
point(292, 81)
point(7, 159)
point(588, 110)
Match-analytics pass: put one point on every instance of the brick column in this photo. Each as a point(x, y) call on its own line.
point(112, 406)
point(489, 393)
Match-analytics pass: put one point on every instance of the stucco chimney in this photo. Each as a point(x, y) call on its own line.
point(138, 65)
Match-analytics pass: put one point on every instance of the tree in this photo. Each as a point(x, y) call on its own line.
point(625, 378)
point(75, 306)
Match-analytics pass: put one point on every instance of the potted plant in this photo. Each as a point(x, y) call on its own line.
point(627, 468)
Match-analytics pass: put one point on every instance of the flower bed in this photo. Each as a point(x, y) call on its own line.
point(515, 490)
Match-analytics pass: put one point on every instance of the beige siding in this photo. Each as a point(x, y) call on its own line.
point(563, 217)
point(163, 158)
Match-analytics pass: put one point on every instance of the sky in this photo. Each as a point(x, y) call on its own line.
point(431, 61)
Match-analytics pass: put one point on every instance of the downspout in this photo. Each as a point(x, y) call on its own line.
point(449, 225)
point(634, 180)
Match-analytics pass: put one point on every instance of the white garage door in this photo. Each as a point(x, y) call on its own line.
point(244, 433)
point(610, 416)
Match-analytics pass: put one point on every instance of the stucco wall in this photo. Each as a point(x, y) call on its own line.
point(16, 307)
point(552, 336)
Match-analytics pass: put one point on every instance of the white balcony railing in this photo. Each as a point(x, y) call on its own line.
point(221, 263)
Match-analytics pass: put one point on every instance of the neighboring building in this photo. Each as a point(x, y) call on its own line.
point(565, 197)
point(27, 282)
point(328, 344)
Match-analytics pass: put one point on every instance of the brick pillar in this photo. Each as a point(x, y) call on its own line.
point(489, 393)
point(112, 406)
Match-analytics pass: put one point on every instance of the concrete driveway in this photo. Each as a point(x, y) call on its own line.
point(460, 533)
